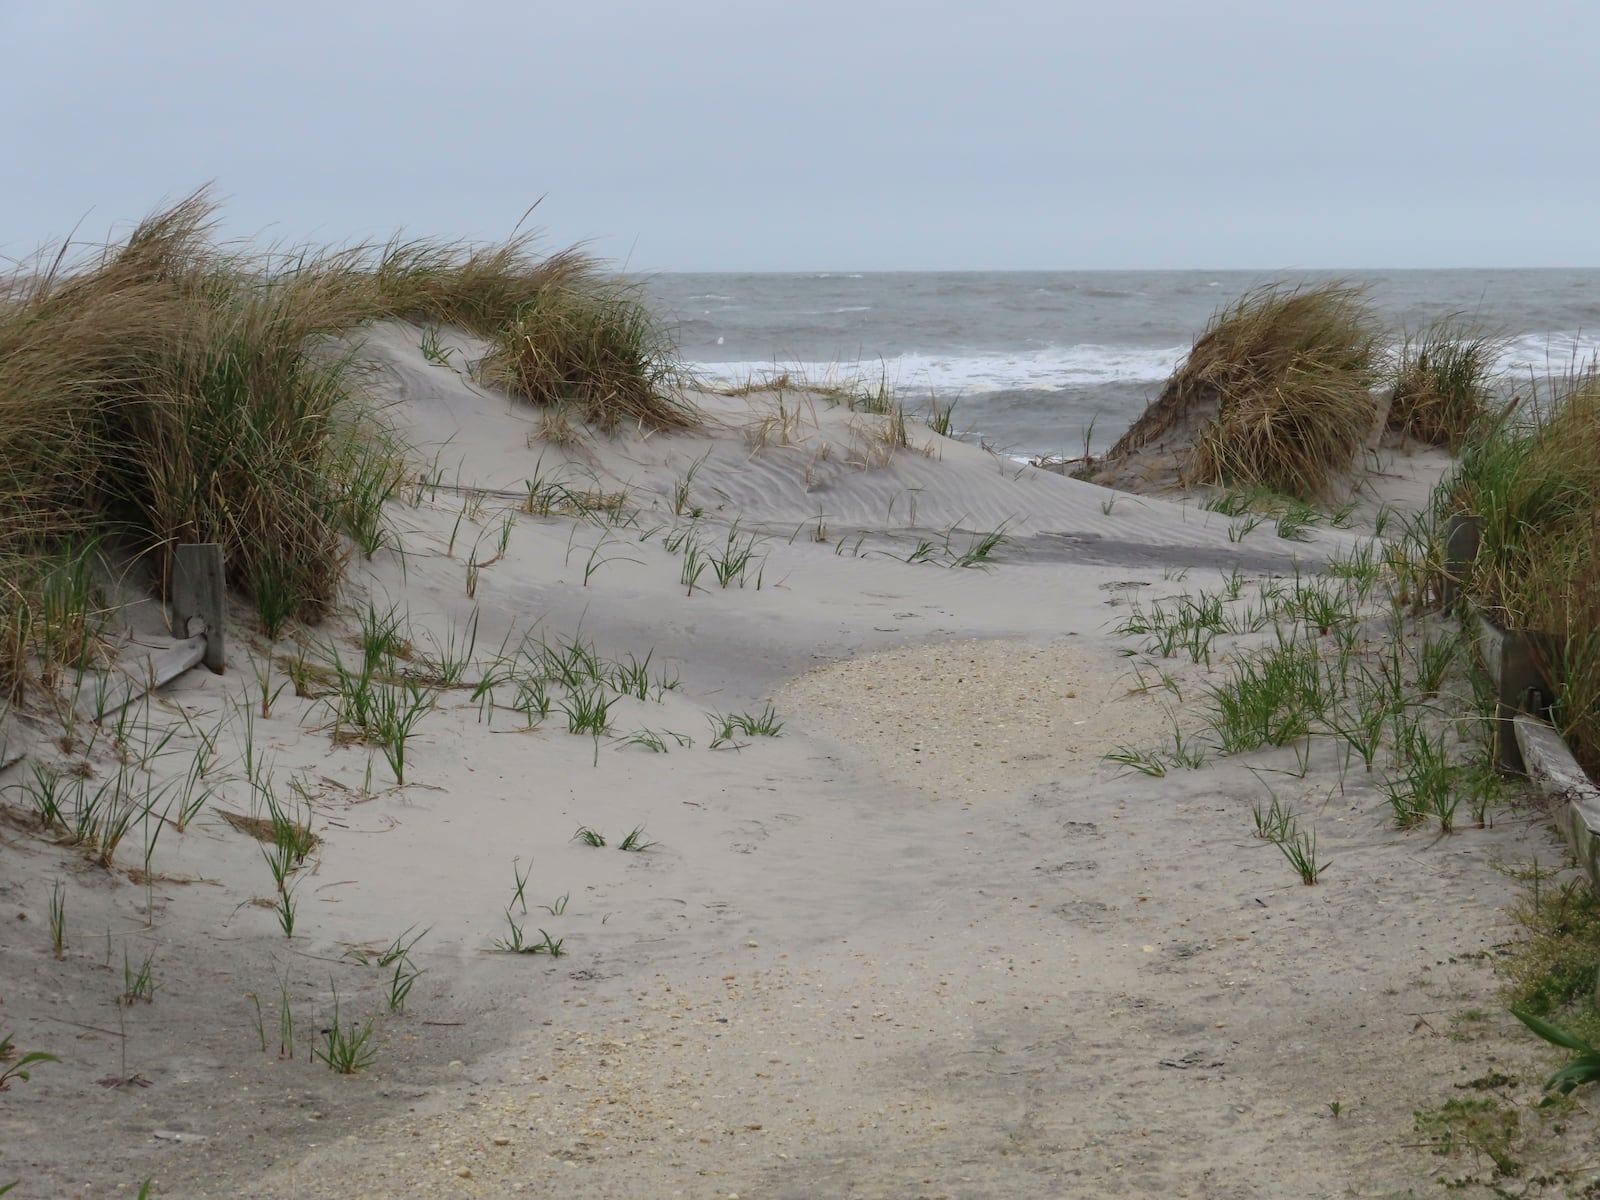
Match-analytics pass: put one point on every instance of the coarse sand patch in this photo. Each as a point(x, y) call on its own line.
point(974, 718)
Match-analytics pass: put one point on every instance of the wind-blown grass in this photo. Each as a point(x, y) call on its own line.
point(1288, 373)
point(172, 389)
point(1443, 383)
point(594, 351)
point(1534, 478)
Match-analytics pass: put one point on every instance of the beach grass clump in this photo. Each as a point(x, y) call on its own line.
point(1534, 478)
point(1444, 383)
point(170, 389)
point(591, 350)
point(167, 390)
point(480, 288)
point(1283, 377)
point(1551, 972)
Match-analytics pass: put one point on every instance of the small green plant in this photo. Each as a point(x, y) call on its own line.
point(285, 1019)
point(137, 985)
point(635, 840)
point(46, 791)
point(1483, 1126)
point(400, 708)
point(648, 738)
point(695, 562)
point(1187, 752)
point(1274, 823)
point(400, 949)
point(260, 1020)
point(1272, 698)
point(400, 985)
point(452, 658)
point(519, 895)
point(1295, 520)
point(733, 560)
point(290, 831)
point(436, 354)
point(58, 920)
point(1361, 731)
point(345, 1050)
point(1426, 783)
point(518, 944)
point(680, 489)
point(405, 975)
point(981, 548)
point(267, 694)
point(1143, 761)
point(1585, 1068)
point(938, 418)
point(372, 703)
point(1239, 530)
point(726, 728)
point(1434, 659)
point(587, 711)
point(283, 908)
point(559, 907)
point(1300, 848)
point(18, 1069)
point(589, 837)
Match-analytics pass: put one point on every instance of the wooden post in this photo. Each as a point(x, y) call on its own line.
point(198, 594)
point(1462, 537)
point(1522, 688)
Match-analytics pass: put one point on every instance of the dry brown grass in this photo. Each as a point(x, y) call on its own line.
point(1534, 477)
point(1443, 383)
point(1280, 382)
point(593, 349)
point(171, 389)
point(483, 289)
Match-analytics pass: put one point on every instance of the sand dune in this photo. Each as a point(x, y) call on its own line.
point(926, 942)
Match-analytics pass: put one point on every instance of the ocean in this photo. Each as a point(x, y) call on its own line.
point(1052, 362)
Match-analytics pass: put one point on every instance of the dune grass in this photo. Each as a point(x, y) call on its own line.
point(1443, 383)
point(1283, 377)
point(171, 389)
point(595, 352)
point(1534, 477)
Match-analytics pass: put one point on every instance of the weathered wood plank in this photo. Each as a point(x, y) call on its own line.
point(1551, 765)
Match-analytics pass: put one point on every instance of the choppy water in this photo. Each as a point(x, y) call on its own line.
point(1034, 359)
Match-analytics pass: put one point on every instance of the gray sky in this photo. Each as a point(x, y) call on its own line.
point(828, 134)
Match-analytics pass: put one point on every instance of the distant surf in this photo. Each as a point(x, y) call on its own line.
point(1047, 362)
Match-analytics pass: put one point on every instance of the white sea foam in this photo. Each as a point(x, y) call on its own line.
point(1537, 355)
point(1045, 370)
point(1059, 368)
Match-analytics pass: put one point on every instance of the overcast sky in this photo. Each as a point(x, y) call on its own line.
point(828, 134)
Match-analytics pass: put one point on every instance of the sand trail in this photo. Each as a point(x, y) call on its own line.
point(927, 942)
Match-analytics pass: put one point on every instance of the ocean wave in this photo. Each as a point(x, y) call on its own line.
point(1058, 368)
point(1049, 369)
point(1544, 354)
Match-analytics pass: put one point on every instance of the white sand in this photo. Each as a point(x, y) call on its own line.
point(925, 943)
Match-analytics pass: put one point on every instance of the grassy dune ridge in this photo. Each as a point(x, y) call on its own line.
point(1533, 474)
point(1285, 388)
point(171, 389)
point(1281, 383)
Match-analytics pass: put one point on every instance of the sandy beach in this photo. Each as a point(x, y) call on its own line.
point(903, 932)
